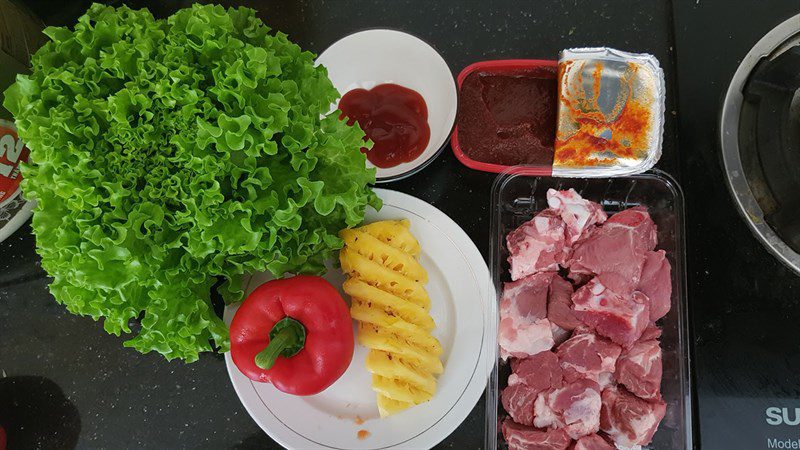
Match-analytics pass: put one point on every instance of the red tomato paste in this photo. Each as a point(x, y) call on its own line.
point(509, 117)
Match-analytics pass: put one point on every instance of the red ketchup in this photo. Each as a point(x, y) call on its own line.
point(395, 118)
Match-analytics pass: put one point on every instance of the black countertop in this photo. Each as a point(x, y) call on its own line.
point(744, 305)
point(85, 389)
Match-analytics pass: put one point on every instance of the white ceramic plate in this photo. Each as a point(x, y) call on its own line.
point(458, 286)
point(369, 58)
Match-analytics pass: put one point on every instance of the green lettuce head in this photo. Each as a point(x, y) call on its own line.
point(168, 153)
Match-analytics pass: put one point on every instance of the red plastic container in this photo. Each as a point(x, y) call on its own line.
point(497, 66)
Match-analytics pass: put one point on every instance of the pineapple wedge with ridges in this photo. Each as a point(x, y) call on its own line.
point(386, 286)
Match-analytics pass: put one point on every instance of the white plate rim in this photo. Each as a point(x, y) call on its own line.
point(466, 400)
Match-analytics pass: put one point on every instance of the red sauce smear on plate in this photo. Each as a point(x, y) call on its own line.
point(508, 116)
point(395, 119)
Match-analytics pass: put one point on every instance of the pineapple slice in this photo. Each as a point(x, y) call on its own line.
point(395, 233)
point(393, 366)
point(364, 294)
point(376, 339)
point(409, 334)
point(388, 406)
point(373, 312)
point(400, 390)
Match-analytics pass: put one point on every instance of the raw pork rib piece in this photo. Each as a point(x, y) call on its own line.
point(588, 356)
point(616, 251)
point(579, 215)
point(656, 283)
point(537, 245)
point(531, 376)
point(575, 408)
point(639, 369)
point(621, 319)
point(628, 419)
point(559, 303)
point(524, 328)
point(592, 442)
point(520, 437)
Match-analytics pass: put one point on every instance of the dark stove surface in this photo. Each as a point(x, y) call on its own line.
point(744, 305)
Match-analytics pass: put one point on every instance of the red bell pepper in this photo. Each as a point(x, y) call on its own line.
point(295, 333)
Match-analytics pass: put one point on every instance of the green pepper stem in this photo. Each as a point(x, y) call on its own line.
point(286, 338)
point(266, 358)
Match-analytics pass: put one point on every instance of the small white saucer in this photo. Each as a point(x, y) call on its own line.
point(372, 57)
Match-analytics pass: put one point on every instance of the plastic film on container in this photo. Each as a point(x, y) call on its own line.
point(610, 113)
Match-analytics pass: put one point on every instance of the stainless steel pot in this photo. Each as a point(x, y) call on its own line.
point(760, 138)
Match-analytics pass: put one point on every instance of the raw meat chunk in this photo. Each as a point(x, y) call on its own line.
point(621, 319)
point(651, 332)
point(518, 400)
point(529, 294)
point(578, 214)
point(521, 339)
point(616, 251)
point(530, 376)
point(524, 329)
point(639, 369)
point(537, 245)
point(539, 372)
point(559, 303)
point(592, 442)
point(575, 408)
point(521, 437)
point(628, 419)
point(588, 356)
point(638, 220)
point(656, 283)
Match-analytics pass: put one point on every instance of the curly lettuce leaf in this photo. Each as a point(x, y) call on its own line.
point(168, 153)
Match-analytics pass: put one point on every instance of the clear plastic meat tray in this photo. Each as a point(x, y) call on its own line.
point(517, 195)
